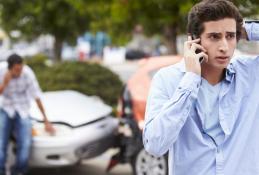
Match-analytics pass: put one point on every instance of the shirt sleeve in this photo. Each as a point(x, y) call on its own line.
point(33, 86)
point(166, 116)
point(252, 30)
point(251, 63)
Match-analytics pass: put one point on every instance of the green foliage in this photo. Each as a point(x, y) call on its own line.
point(154, 15)
point(248, 8)
point(33, 18)
point(38, 62)
point(66, 19)
point(157, 16)
point(88, 78)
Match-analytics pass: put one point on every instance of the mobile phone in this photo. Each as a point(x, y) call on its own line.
point(201, 59)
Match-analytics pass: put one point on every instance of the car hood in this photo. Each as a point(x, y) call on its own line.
point(71, 107)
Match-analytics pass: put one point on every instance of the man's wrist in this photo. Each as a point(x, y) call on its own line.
point(46, 119)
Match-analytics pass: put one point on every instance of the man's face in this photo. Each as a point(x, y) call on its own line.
point(16, 70)
point(219, 39)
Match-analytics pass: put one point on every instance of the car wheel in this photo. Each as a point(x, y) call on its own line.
point(145, 164)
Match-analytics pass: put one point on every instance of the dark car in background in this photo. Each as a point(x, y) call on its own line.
point(131, 110)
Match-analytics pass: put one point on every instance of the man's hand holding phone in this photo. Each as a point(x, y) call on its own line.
point(192, 58)
point(7, 78)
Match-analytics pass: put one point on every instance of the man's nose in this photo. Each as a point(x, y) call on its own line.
point(223, 45)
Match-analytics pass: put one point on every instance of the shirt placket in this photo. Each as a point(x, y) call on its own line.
point(222, 108)
point(225, 128)
point(219, 162)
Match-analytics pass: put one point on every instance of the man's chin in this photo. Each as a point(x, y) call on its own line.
point(218, 65)
point(16, 76)
point(222, 64)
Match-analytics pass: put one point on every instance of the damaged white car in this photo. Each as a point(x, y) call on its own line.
point(84, 129)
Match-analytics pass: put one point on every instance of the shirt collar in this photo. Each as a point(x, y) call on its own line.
point(230, 71)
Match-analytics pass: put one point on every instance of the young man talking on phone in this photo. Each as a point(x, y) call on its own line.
point(207, 114)
point(18, 86)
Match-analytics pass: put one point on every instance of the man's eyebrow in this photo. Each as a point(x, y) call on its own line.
point(219, 33)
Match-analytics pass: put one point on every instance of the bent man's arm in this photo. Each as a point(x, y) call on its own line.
point(35, 92)
point(165, 116)
point(48, 126)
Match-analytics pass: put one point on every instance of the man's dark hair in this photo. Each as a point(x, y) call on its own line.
point(14, 59)
point(212, 10)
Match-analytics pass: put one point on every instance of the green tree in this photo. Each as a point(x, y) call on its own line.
point(248, 8)
point(157, 16)
point(59, 18)
point(166, 17)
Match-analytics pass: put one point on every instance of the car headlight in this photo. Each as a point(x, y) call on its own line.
point(38, 130)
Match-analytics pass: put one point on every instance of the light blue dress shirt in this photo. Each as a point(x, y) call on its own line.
point(172, 122)
point(207, 105)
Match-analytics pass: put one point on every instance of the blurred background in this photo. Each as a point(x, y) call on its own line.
point(106, 49)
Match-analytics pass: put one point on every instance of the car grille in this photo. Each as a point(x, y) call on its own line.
point(95, 148)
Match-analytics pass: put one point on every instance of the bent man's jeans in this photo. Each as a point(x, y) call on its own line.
point(21, 128)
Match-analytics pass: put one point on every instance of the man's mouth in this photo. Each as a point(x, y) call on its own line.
point(222, 58)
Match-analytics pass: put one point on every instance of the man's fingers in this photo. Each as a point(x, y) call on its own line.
point(194, 41)
point(190, 42)
point(204, 55)
point(50, 129)
point(189, 38)
point(195, 46)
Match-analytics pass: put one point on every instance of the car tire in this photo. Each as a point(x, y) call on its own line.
point(145, 164)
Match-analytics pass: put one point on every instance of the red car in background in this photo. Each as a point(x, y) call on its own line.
point(131, 110)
